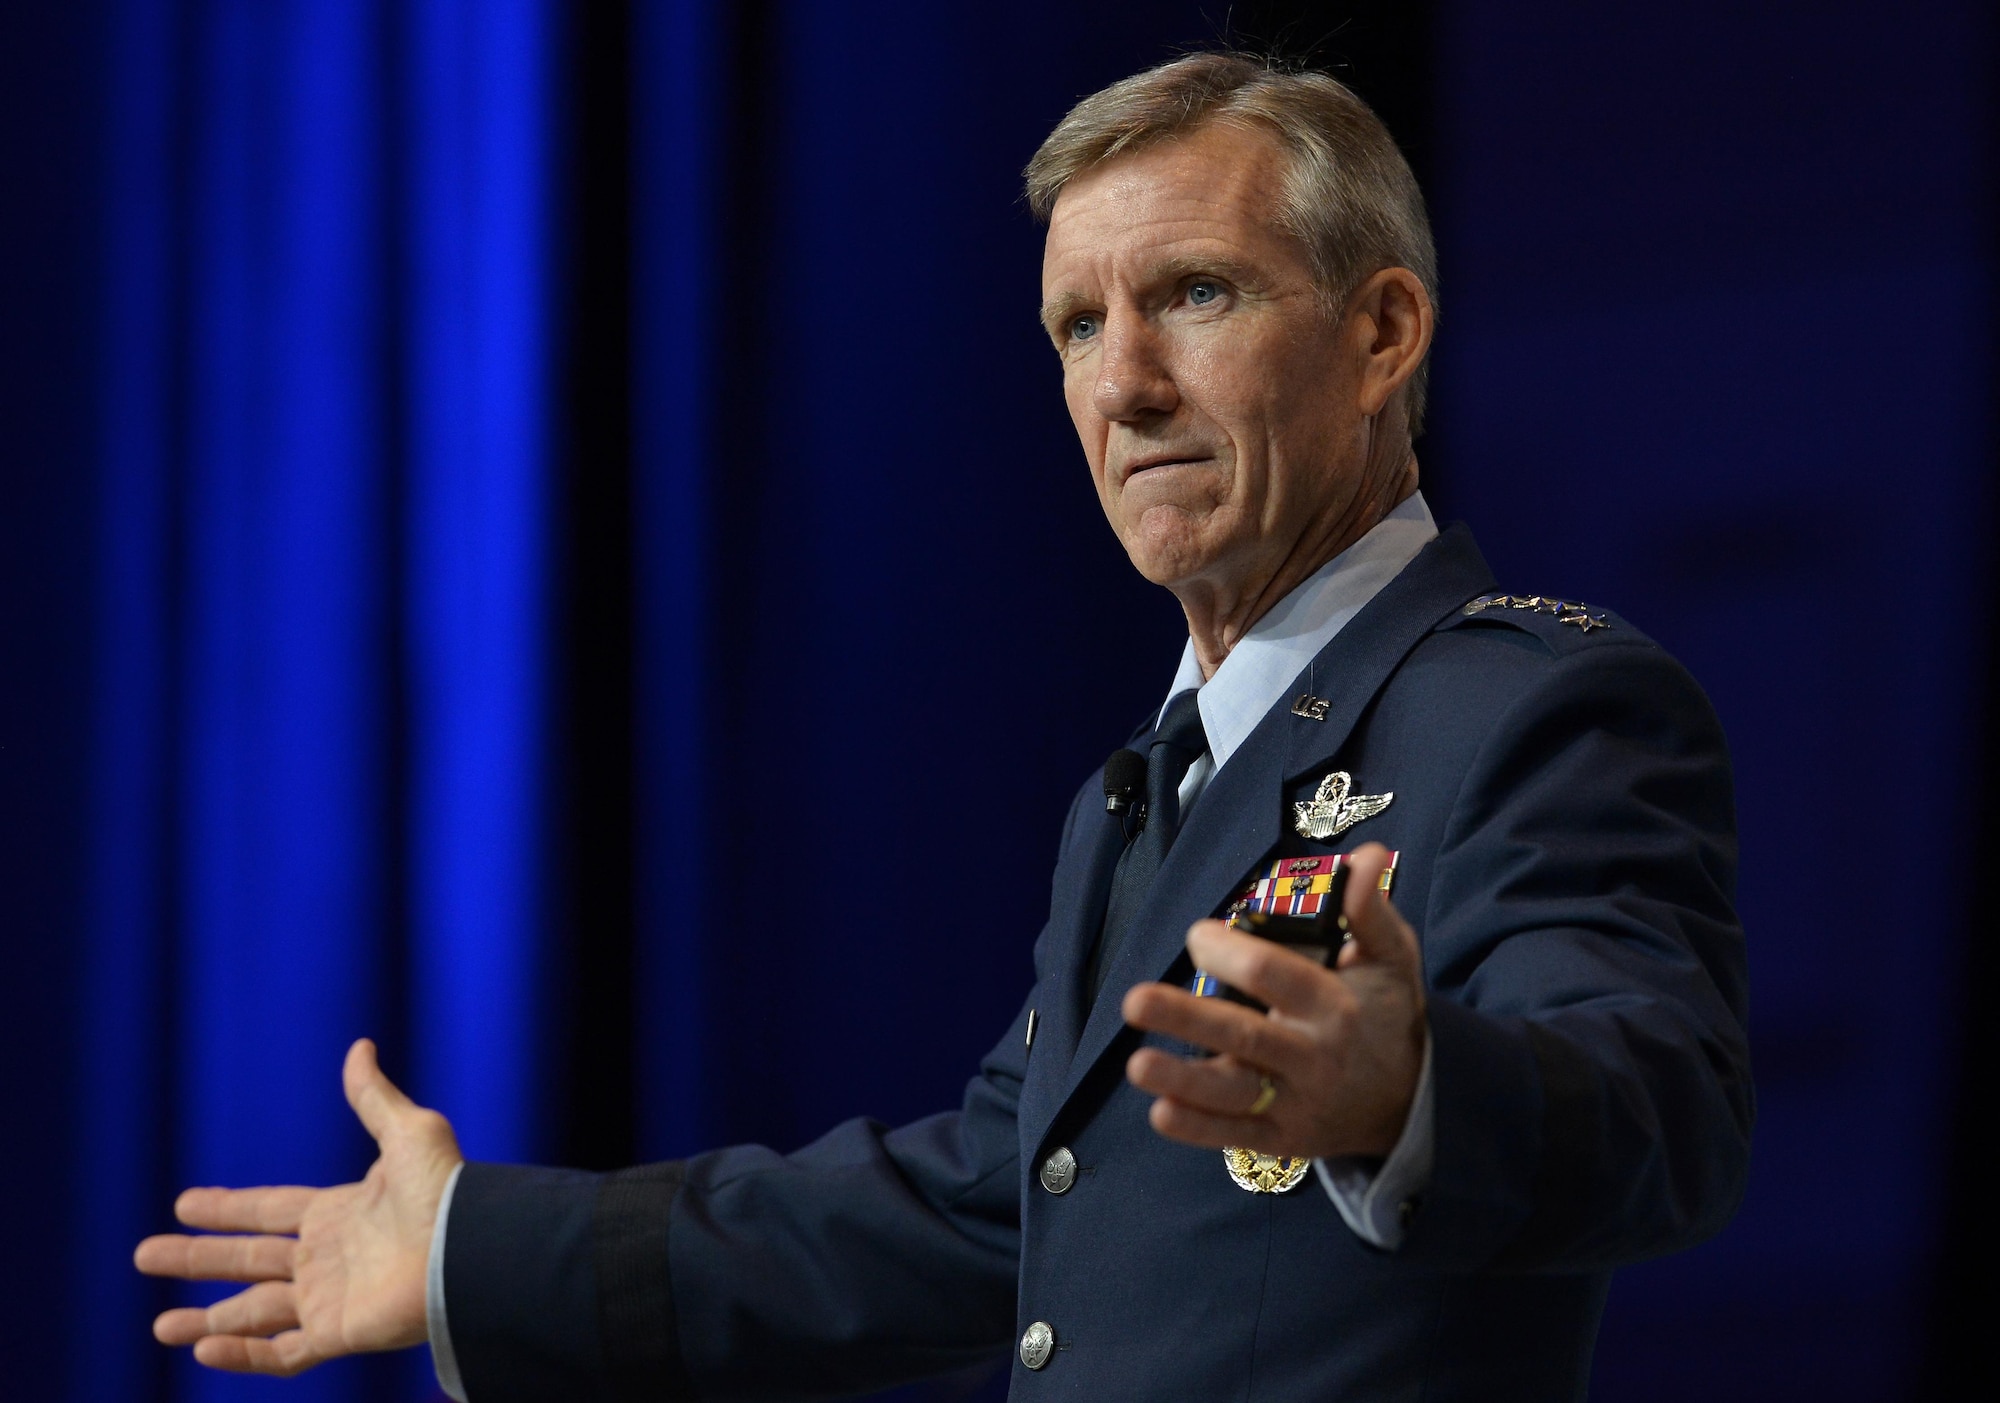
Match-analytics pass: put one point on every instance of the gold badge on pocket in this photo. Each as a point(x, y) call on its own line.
point(1264, 1174)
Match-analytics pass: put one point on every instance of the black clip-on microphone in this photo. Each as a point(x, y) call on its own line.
point(1125, 776)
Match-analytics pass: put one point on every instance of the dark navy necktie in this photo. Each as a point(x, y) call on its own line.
point(1176, 745)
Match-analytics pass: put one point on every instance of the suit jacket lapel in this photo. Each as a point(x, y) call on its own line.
point(1239, 816)
point(1082, 885)
point(1445, 574)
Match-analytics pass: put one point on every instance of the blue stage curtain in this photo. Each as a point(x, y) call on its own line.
point(879, 632)
point(1675, 244)
point(323, 633)
point(677, 197)
point(477, 377)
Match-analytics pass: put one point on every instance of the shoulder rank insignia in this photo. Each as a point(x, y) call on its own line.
point(1565, 611)
point(1332, 810)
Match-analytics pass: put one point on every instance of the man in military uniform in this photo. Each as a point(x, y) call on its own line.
point(1407, 1175)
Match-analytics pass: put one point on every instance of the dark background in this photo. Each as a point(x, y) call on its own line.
point(547, 534)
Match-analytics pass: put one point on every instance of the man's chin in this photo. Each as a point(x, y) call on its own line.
point(1169, 563)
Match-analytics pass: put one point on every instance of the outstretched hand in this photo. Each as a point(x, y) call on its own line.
point(337, 1271)
point(1342, 1049)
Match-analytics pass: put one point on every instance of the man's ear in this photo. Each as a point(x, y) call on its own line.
point(1390, 318)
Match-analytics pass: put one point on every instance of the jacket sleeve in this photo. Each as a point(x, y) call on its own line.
point(871, 1257)
point(1593, 1096)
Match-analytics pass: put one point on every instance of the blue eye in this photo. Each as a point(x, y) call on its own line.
point(1083, 328)
point(1200, 293)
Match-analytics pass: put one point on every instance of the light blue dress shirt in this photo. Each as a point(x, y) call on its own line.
point(1260, 669)
point(442, 1359)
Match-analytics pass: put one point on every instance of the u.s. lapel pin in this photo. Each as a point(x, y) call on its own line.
point(1333, 810)
point(1309, 706)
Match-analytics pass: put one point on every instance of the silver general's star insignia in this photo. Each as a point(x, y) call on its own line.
point(1565, 612)
point(1584, 620)
point(1332, 810)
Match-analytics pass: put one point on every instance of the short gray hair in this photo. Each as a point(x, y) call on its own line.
point(1349, 195)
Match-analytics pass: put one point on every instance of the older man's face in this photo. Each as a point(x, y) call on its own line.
point(1210, 388)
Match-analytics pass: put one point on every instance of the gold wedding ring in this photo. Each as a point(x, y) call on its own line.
point(1267, 1093)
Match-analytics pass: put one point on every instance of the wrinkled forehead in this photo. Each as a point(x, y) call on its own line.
point(1219, 187)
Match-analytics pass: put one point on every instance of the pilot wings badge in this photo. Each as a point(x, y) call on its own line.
point(1333, 810)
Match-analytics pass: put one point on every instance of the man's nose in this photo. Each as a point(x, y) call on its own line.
point(1132, 377)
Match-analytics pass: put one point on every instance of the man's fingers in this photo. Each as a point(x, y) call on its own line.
point(217, 1258)
point(273, 1210)
point(1264, 969)
point(375, 1099)
point(283, 1355)
point(1216, 1024)
point(265, 1309)
point(180, 1327)
point(1380, 934)
point(1221, 1085)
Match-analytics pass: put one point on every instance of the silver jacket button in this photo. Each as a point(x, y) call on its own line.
point(1059, 1171)
point(1038, 1344)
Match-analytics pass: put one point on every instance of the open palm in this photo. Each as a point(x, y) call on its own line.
point(333, 1271)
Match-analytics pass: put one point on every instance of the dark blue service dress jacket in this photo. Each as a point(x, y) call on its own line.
point(1564, 820)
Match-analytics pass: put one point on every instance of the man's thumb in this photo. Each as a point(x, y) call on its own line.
point(1377, 930)
point(375, 1099)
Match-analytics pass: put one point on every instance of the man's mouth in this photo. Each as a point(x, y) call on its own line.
point(1163, 460)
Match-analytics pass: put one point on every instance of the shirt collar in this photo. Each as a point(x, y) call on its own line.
point(1268, 659)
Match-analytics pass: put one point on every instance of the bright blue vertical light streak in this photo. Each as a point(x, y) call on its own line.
point(477, 548)
point(283, 752)
point(243, 748)
point(674, 182)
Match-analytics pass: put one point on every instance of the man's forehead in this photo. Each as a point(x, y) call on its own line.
point(1218, 171)
point(1169, 209)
